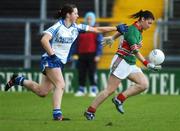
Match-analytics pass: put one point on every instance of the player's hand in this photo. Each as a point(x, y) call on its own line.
point(107, 41)
point(122, 28)
point(55, 59)
point(75, 57)
point(154, 67)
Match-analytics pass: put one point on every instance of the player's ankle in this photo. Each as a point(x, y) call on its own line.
point(57, 114)
point(19, 80)
point(91, 109)
point(121, 97)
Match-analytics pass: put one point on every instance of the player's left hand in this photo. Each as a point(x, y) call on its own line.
point(107, 41)
point(154, 67)
point(122, 28)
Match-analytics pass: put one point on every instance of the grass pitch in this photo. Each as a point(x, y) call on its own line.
point(27, 112)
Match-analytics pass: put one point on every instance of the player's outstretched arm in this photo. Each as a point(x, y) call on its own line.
point(102, 29)
point(122, 28)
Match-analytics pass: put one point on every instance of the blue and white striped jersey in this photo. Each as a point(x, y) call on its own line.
point(63, 38)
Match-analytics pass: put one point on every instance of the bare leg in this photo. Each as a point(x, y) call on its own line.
point(113, 84)
point(55, 75)
point(54, 78)
point(141, 84)
point(39, 89)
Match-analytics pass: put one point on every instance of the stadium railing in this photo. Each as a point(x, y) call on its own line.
point(27, 56)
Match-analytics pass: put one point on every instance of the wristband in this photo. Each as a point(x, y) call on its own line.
point(145, 62)
point(53, 56)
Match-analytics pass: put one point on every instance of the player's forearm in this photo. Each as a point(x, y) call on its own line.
point(103, 29)
point(140, 57)
point(46, 45)
point(116, 35)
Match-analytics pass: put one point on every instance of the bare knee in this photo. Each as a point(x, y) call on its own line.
point(60, 85)
point(43, 93)
point(144, 85)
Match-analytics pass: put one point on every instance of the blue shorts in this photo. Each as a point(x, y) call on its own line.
point(46, 62)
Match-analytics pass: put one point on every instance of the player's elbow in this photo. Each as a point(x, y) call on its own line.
point(98, 31)
point(95, 30)
point(43, 40)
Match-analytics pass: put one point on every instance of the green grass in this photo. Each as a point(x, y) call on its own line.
point(27, 112)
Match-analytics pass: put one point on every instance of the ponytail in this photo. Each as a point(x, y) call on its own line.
point(145, 14)
point(58, 15)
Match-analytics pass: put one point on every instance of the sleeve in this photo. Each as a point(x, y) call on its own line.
point(52, 30)
point(82, 28)
point(99, 45)
point(132, 39)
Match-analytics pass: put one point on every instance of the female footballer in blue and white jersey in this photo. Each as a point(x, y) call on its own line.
point(57, 42)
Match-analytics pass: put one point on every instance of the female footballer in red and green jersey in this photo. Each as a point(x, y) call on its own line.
point(124, 65)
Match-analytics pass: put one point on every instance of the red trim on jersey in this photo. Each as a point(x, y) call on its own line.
point(137, 26)
point(135, 47)
point(126, 45)
point(121, 52)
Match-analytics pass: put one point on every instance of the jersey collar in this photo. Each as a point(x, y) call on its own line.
point(62, 21)
point(137, 26)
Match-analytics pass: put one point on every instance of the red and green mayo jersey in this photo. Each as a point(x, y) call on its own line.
point(131, 44)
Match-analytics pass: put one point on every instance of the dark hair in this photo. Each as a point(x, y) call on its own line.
point(145, 14)
point(67, 8)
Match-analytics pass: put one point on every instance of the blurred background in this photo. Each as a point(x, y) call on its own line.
point(22, 23)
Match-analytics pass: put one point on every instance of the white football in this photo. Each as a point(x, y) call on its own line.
point(156, 56)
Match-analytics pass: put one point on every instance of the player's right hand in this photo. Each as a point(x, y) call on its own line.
point(107, 41)
point(55, 59)
point(122, 28)
point(75, 57)
point(154, 67)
